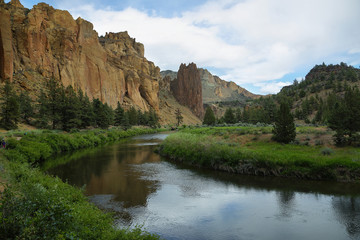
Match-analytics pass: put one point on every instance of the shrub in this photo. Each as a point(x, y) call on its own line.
point(327, 151)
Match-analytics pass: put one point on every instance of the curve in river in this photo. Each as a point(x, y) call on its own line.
point(180, 202)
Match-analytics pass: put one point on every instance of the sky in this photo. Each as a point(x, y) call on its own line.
point(261, 45)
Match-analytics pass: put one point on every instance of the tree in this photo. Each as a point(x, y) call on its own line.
point(344, 117)
point(119, 115)
point(9, 107)
point(209, 118)
point(133, 116)
point(229, 116)
point(103, 114)
point(54, 101)
point(26, 109)
point(284, 130)
point(179, 117)
point(86, 110)
point(71, 113)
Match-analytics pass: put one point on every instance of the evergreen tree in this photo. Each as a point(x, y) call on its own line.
point(179, 117)
point(100, 114)
point(42, 119)
point(344, 117)
point(119, 115)
point(246, 114)
point(125, 124)
point(71, 117)
point(9, 106)
point(55, 101)
point(284, 130)
point(153, 119)
point(133, 116)
point(238, 115)
point(86, 110)
point(26, 109)
point(229, 116)
point(209, 118)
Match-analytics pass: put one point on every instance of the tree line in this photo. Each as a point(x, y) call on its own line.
point(340, 113)
point(59, 107)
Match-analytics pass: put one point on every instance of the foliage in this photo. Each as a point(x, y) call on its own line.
point(37, 206)
point(209, 118)
point(229, 116)
point(9, 106)
point(26, 109)
point(284, 129)
point(344, 118)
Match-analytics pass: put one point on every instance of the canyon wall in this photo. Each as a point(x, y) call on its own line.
point(44, 43)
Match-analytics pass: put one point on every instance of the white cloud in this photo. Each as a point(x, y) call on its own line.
point(252, 41)
point(271, 87)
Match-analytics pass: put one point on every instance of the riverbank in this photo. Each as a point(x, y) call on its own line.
point(35, 205)
point(250, 151)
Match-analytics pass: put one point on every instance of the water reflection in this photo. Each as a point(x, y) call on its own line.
point(179, 202)
point(347, 210)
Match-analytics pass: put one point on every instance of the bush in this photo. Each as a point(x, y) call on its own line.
point(327, 151)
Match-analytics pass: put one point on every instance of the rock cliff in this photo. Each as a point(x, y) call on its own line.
point(217, 90)
point(214, 89)
point(44, 42)
point(187, 88)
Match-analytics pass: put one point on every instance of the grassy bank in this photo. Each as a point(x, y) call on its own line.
point(37, 206)
point(225, 149)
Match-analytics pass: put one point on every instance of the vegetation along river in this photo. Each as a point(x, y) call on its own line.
point(181, 202)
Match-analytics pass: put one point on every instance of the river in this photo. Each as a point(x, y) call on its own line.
point(181, 202)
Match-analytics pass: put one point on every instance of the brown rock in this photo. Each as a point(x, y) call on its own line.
point(6, 53)
point(16, 3)
point(45, 42)
point(187, 88)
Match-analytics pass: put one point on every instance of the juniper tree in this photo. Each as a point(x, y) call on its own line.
point(284, 130)
point(209, 118)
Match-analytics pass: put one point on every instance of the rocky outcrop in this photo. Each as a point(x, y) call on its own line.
point(44, 42)
point(187, 88)
point(217, 90)
point(214, 89)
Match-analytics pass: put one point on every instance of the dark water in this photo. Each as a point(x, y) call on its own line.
point(178, 202)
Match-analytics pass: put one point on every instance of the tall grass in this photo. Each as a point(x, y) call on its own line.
point(308, 161)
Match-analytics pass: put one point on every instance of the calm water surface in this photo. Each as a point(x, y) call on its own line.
point(179, 202)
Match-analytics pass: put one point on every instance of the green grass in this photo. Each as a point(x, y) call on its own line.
point(206, 150)
point(37, 206)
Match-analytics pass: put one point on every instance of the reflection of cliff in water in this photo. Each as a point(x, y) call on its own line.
point(347, 210)
point(110, 171)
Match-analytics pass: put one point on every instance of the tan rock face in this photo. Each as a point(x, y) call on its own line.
point(187, 88)
point(46, 42)
point(217, 90)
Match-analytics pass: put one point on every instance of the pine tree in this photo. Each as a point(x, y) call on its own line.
point(125, 124)
point(209, 118)
point(42, 119)
point(55, 101)
point(9, 106)
point(86, 110)
point(229, 116)
point(133, 116)
point(26, 108)
point(284, 130)
point(344, 117)
point(153, 119)
point(71, 117)
point(119, 115)
point(179, 117)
